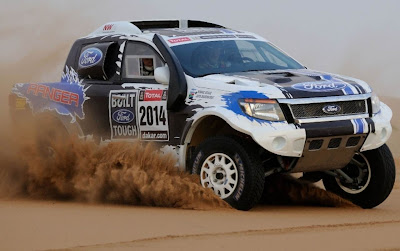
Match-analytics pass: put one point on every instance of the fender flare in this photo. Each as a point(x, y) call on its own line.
point(196, 120)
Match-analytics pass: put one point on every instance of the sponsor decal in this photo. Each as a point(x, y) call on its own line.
point(122, 108)
point(153, 95)
point(152, 115)
point(154, 135)
point(204, 94)
point(179, 40)
point(192, 93)
point(90, 57)
point(246, 36)
point(53, 94)
point(123, 116)
point(175, 32)
point(66, 97)
point(331, 109)
point(139, 114)
point(321, 86)
point(240, 188)
point(108, 27)
point(217, 36)
point(227, 31)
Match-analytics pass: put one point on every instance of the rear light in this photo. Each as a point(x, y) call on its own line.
point(16, 103)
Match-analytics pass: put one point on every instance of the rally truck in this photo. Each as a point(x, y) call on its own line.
point(233, 107)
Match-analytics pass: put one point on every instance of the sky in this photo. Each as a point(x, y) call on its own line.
point(357, 38)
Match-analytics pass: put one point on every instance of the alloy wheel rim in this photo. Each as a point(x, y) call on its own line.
point(361, 166)
point(219, 172)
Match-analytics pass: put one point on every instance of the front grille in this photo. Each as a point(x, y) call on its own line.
point(316, 110)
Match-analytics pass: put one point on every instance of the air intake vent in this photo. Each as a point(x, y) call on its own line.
point(353, 141)
point(334, 143)
point(315, 144)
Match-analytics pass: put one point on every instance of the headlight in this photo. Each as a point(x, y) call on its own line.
point(266, 109)
point(376, 103)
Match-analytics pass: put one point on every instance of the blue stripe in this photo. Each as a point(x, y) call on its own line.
point(356, 125)
point(348, 90)
point(360, 127)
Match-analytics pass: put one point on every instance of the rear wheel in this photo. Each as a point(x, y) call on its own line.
point(367, 180)
point(232, 173)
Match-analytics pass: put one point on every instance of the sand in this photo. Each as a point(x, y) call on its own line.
point(40, 225)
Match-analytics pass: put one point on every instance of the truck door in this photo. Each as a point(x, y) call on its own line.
point(123, 100)
point(137, 109)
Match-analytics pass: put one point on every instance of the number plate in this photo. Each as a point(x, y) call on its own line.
point(153, 118)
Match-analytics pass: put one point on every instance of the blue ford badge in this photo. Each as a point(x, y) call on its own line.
point(331, 109)
point(322, 86)
point(90, 57)
point(123, 116)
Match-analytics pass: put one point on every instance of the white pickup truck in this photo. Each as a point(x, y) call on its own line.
point(233, 107)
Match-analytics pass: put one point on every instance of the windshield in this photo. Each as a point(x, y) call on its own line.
point(204, 58)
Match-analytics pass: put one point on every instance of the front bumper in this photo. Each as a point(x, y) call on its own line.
point(289, 139)
point(382, 129)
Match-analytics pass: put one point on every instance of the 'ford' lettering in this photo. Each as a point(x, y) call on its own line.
point(325, 86)
point(331, 109)
point(123, 116)
point(90, 57)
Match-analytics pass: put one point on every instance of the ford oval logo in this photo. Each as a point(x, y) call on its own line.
point(325, 86)
point(123, 116)
point(90, 57)
point(331, 109)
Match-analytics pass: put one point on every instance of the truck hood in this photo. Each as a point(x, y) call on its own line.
point(302, 83)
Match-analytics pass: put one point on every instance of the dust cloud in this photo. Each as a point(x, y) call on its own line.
point(121, 173)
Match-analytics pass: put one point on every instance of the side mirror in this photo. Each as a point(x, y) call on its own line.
point(161, 74)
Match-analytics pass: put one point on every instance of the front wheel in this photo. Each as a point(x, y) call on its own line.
point(367, 180)
point(232, 173)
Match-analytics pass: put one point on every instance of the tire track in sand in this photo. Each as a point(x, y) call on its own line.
point(271, 231)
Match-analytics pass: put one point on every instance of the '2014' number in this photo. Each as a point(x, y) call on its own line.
point(151, 115)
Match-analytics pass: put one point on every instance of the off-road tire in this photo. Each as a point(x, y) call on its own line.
point(381, 181)
point(250, 175)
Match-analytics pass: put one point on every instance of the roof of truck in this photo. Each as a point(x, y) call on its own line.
point(174, 31)
point(155, 26)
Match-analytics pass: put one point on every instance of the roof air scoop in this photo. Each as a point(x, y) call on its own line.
point(123, 28)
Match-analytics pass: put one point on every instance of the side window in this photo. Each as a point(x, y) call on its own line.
point(140, 61)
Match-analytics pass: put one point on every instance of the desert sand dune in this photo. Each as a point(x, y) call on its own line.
point(41, 225)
